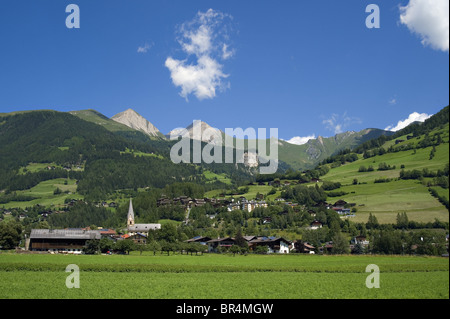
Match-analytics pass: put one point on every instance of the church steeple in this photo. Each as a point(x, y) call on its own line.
point(130, 217)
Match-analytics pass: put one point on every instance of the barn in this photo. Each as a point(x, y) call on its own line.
point(60, 240)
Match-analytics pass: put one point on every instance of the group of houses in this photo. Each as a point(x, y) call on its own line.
point(273, 244)
point(187, 202)
point(246, 205)
point(74, 240)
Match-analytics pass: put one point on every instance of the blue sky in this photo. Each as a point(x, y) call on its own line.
point(308, 68)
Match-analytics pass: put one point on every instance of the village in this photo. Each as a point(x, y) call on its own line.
point(74, 241)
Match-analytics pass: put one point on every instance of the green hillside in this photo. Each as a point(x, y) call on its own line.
point(100, 119)
point(384, 193)
point(308, 155)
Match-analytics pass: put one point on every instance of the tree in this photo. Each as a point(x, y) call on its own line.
point(372, 223)
point(402, 220)
point(235, 249)
point(154, 246)
point(92, 247)
point(10, 234)
point(125, 246)
point(358, 249)
point(168, 232)
point(261, 250)
point(106, 244)
point(387, 242)
point(240, 240)
point(340, 244)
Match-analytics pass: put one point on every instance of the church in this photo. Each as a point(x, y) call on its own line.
point(138, 229)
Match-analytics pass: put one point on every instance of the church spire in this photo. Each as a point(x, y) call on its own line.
point(130, 217)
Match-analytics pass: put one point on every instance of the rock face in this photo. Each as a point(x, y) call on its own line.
point(199, 130)
point(135, 121)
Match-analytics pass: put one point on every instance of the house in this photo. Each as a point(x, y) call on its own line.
point(199, 239)
point(342, 211)
point(316, 225)
point(233, 206)
point(359, 240)
point(274, 245)
point(304, 247)
point(60, 240)
point(107, 232)
point(214, 245)
point(138, 238)
point(312, 213)
point(327, 248)
point(340, 204)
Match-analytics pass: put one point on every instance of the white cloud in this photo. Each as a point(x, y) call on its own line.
point(298, 140)
point(430, 20)
point(226, 54)
point(413, 117)
point(204, 39)
point(338, 123)
point(393, 101)
point(145, 48)
point(201, 79)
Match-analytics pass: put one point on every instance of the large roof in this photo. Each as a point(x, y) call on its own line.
point(64, 233)
point(144, 227)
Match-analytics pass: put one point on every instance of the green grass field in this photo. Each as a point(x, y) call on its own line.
point(212, 276)
point(43, 192)
point(211, 177)
point(141, 154)
point(386, 200)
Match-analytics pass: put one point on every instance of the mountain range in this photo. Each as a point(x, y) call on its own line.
point(99, 157)
point(299, 157)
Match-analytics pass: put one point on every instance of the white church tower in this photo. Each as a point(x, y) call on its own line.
point(140, 229)
point(130, 217)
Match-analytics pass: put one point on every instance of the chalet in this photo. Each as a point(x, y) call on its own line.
point(340, 204)
point(315, 225)
point(107, 232)
point(304, 247)
point(64, 240)
point(220, 243)
point(328, 247)
point(342, 211)
point(359, 240)
point(199, 202)
point(139, 238)
point(249, 238)
point(199, 239)
point(274, 245)
point(312, 213)
point(323, 205)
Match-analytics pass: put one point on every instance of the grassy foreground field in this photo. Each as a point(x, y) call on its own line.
point(215, 276)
